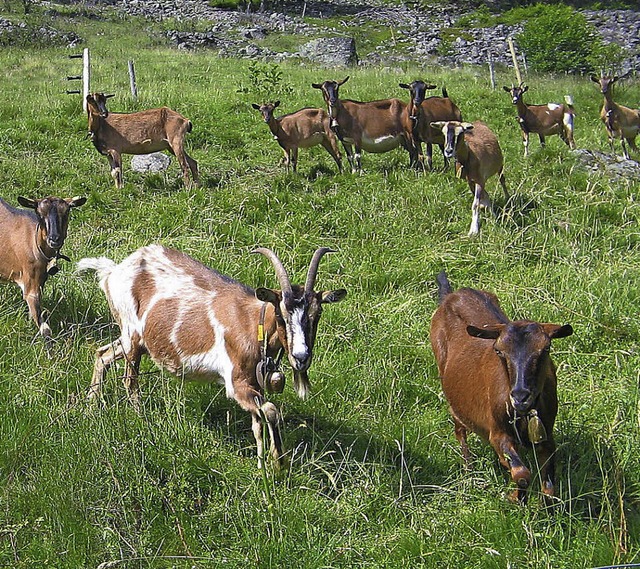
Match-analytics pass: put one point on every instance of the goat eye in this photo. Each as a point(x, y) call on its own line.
point(498, 352)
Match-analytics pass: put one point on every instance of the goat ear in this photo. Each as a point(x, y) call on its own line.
point(109, 95)
point(430, 87)
point(467, 126)
point(26, 202)
point(276, 104)
point(557, 331)
point(439, 125)
point(343, 81)
point(256, 107)
point(595, 79)
point(404, 86)
point(506, 89)
point(77, 201)
point(268, 295)
point(330, 296)
point(316, 85)
point(525, 88)
point(488, 333)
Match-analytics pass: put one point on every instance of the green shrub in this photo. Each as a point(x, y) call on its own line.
point(558, 39)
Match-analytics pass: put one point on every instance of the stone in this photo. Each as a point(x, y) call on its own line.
point(155, 162)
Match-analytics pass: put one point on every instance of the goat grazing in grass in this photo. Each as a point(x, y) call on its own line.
point(422, 112)
point(374, 126)
point(144, 132)
point(303, 129)
point(620, 121)
point(31, 246)
point(479, 157)
point(199, 324)
point(543, 120)
point(499, 379)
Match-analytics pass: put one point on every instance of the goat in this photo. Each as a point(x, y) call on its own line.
point(620, 121)
point(479, 157)
point(374, 126)
point(543, 120)
point(199, 324)
point(303, 129)
point(504, 390)
point(144, 132)
point(423, 111)
point(31, 246)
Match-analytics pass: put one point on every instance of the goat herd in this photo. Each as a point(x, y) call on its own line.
point(496, 374)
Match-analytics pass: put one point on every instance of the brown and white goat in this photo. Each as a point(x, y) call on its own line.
point(422, 112)
point(543, 120)
point(199, 324)
point(499, 379)
point(479, 157)
point(374, 126)
point(620, 121)
point(303, 129)
point(144, 132)
point(31, 245)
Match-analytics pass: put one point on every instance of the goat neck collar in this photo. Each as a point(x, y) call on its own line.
point(39, 247)
point(536, 431)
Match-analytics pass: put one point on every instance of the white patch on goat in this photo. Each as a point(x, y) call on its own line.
point(298, 341)
point(553, 106)
point(567, 119)
point(380, 143)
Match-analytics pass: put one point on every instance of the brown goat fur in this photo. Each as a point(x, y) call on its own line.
point(498, 378)
point(303, 129)
point(479, 157)
point(620, 121)
point(543, 120)
point(143, 132)
point(423, 111)
point(374, 126)
point(32, 240)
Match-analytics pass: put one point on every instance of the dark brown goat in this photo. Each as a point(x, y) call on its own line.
point(499, 379)
point(374, 126)
point(303, 129)
point(543, 120)
point(31, 245)
point(144, 132)
point(620, 121)
point(422, 112)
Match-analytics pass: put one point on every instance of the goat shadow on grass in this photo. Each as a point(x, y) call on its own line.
point(320, 445)
point(515, 210)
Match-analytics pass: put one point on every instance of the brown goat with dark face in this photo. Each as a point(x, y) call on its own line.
point(423, 111)
point(499, 379)
point(620, 121)
point(543, 120)
point(31, 243)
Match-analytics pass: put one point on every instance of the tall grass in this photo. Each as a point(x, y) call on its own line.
point(376, 477)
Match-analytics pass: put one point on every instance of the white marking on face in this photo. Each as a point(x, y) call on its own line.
point(553, 106)
point(298, 341)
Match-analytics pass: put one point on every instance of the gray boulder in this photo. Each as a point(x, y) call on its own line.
point(155, 162)
point(331, 52)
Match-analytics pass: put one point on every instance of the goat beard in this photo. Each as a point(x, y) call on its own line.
point(301, 383)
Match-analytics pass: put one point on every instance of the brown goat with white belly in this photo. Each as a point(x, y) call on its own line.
point(31, 243)
point(620, 121)
point(499, 379)
point(144, 132)
point(479, 157)
point(303, 129)
point(199, 324)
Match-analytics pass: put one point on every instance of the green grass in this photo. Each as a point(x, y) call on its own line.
point(376, 477)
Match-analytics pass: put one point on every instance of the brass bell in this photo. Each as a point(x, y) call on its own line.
point(275, 382)
point(535, 429)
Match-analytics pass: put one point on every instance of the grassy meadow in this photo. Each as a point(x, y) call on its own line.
point(376, 476)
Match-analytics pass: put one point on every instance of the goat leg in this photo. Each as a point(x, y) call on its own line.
point(105, 356)
point(509, 458)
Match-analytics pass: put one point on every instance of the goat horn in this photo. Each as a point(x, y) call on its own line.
point(281, 273)
point(313, 267)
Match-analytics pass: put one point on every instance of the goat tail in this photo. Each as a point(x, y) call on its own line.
point(101, 265)
point(444, 286)
point(189, 126)
point(444, 92)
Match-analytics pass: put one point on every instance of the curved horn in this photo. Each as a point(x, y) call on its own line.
point(313, 267)
point(281, 273)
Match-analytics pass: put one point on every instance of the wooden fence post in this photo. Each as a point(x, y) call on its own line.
point(515, 60)
point(132, 81)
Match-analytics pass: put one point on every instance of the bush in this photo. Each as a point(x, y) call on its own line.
point(558, 39)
